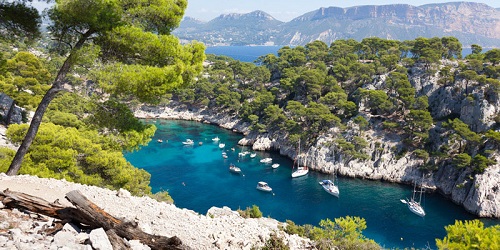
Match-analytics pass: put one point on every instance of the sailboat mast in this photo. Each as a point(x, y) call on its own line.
point(414, 190)
point(421, 189)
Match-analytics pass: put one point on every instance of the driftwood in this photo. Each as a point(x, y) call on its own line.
point(90, 215)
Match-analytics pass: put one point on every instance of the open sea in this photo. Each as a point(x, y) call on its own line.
point(251, 53)
point(197, 177)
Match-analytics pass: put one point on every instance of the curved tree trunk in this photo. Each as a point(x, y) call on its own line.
point(15, 165)
point(57, 87)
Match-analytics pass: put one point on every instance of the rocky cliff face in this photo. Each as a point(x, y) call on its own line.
point(471, 23)
point(387, 160)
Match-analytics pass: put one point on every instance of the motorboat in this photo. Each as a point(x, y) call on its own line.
point(224, 155)
point(266, 160)
point(262, 186)
point(222, 145)
point(216, 139)
point(275, 165)
point(330, 187)
point(160, 140)
point(243, 154)
point(188, 142)
point(234, 169)
point(253, 155)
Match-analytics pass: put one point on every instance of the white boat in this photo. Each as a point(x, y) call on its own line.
point(160, 140)
point(253, 155)
point(266, 160)
point(224, 155)
point(222, 145)
point(234, 169)
point(300, 170)
point(264, 187)
point(275, 165)
point(188, 142)
point(414, 205)
point(216, 139)
point(330, 187)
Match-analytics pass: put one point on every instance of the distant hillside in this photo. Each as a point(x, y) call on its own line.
point(471, 23)
point(236, 29)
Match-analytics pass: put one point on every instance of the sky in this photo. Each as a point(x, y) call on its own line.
point(286, 10)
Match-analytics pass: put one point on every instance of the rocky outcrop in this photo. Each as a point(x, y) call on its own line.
point(220, 228)
point(9, 112)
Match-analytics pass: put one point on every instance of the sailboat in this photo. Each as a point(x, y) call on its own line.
point(415, 206)
point(301, 170)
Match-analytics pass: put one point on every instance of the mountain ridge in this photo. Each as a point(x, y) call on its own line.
point(471, 23)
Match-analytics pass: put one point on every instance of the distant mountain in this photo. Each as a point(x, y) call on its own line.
point(471, 23)
point(235, 29)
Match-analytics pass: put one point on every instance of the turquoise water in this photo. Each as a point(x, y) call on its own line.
point(197, 177)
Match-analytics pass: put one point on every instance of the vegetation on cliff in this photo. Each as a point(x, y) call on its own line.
point(352, 86)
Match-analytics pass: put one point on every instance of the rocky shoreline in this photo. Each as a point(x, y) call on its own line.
point(479, 196)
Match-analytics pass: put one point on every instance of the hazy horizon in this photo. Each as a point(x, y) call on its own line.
point(286, 10)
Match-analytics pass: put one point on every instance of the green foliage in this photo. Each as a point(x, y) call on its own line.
point(19, 20)
point(421, 154)
point(251, 212)
point(78, 156)
point(353, 150)
point(362, 122)
point(27, 79)
point(480, 163)
point(390, 125)
point(470, 235)
point(492, 56)
point(418, 123)
point(462, 160)
point(275, 243)
point(463, 130)
point(342, 233)
point(162, 196)
point(494, 136)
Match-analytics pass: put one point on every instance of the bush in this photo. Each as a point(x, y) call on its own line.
point(162, 196)
point(253, 212)
point(275, 243)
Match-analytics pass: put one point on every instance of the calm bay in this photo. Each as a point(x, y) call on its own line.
point(197, 177)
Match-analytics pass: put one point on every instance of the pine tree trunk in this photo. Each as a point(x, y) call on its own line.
point(15, 165)
point(57, 87)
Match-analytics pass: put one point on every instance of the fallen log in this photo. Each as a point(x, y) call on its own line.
point(89, 215)
point(128, 230)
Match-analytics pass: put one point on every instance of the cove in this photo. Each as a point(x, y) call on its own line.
point(197, 178)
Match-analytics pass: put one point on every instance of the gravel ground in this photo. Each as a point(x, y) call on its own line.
point(221, 228)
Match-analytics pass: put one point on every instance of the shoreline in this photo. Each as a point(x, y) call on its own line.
point(478, 201)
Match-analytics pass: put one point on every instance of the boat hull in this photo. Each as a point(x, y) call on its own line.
point(330, 188)
point(299, 173)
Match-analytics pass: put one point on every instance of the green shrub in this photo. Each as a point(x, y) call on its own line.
point(275, 243)
point(162, 196)
point(253, 212)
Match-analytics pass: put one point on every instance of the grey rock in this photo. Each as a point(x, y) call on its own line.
point(99, 240)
